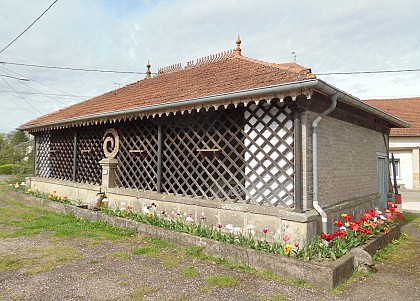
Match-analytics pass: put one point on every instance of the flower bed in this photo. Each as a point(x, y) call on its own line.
point(327, 246)
point(326, 274)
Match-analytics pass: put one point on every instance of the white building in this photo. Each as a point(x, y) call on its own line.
point(404, 143)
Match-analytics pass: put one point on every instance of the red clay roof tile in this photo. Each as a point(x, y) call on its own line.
point(225, 73)
point(407, 109)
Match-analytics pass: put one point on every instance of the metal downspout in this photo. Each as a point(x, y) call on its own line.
point(315, 202)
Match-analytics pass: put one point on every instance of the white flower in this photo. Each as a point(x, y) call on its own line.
point(229, 227)
point(250, 227)
point(379, 212)
point(146, 210)
point(189, 219)
point(23, 184)
point(382, 217)
point(10, 184)
point(343, 228)
point(237, 230)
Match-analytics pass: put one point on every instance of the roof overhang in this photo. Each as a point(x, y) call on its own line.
point(306, 87)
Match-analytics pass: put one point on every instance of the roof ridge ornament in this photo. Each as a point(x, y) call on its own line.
point(148, 73)
point(211, 58)
point(170, 69)
point(238, 46)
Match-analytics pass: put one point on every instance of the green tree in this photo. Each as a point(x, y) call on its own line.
point(14, 149)
point(17, 137)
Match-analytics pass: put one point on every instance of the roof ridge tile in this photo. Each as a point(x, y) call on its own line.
point(170, 69)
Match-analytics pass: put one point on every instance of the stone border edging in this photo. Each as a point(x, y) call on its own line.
point(325, 275)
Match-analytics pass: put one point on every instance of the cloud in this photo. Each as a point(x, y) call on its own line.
point(122, 35)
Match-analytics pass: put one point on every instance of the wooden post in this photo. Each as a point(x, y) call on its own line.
point(159, 162)
point(74, 156)
point(34, 158)
point(297, 125)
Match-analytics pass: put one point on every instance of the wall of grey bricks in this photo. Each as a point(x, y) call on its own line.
point(347, 165)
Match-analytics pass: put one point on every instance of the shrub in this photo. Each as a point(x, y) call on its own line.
point(11, 169)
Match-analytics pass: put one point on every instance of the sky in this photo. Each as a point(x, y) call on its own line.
point(326, 36)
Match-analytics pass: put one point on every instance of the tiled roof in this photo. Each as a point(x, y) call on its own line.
point(407, 109)
point(224, 73)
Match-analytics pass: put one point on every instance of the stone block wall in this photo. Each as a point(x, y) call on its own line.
point(299, 227)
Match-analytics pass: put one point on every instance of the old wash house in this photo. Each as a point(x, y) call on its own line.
point(241, 141)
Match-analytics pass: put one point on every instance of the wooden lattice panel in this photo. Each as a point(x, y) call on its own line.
point(42, 156)
point(89, 153)
point(196, 152)
point(269, 154)
point(137, 156)
point(242, 154)
point(61, 155)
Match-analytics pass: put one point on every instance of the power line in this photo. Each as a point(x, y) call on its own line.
point(21, 78)
point(28, 27)
point(141, 73)
point(42, 83)
point(74, 69)
point(22, 97)
point(59, 101)
point(36, 93)
point(369, 72)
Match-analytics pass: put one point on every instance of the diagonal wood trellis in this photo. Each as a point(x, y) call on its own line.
point(61, 155)
point(137, 156)
point(55, 155)
point(242, 154)
point(42, 156)
point(89, 153)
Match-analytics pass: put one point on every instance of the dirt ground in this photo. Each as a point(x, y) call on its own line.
point(82, 269)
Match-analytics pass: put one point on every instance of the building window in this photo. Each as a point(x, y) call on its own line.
point(397, 168)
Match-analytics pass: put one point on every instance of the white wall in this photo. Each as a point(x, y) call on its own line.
point(406, 150)
point(406, 167)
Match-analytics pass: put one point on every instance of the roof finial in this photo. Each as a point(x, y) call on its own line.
point(238, 46)
point(148, 73)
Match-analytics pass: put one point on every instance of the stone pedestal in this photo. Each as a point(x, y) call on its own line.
point(109, 168)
